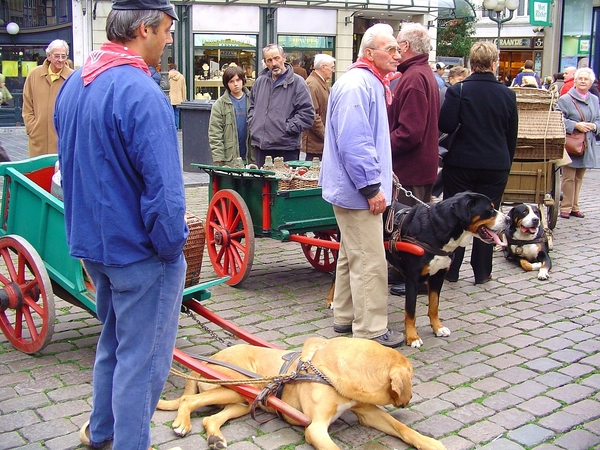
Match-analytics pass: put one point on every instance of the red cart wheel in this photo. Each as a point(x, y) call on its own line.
point(321, 258)
point(26, 298)
point(230, 236)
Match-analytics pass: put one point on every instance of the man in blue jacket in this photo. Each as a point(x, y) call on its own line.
point(124, 215)
point(356, 176)
point(280, 109)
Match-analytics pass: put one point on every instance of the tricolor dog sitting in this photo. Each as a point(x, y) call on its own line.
point(526, 241)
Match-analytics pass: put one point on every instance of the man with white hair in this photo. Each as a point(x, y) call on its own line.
point(356, 177)
point(39, 95)
point(314, 137)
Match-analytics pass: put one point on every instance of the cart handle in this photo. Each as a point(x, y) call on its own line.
point(406, 247)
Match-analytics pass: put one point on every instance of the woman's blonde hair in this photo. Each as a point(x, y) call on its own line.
point(482, 57)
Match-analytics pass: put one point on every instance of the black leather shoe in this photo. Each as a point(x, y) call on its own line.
point(485, 280)
point(400, 289)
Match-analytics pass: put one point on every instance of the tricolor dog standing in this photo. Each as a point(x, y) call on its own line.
point(525, 240)
point(439, 228)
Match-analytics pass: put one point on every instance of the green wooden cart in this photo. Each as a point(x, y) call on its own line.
point(248, 203)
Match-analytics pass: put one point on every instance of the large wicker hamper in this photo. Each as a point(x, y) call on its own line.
point(541, 135)
point(193, 249)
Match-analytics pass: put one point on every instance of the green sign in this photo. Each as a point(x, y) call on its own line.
point(583, 45)
point(539, 12)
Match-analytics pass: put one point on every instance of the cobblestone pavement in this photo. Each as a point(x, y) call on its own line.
point(520, 370)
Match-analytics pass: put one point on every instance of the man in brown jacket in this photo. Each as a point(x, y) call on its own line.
point(39, 95)
point(313, 138)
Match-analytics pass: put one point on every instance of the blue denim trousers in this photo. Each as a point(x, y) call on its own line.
point(138, 306)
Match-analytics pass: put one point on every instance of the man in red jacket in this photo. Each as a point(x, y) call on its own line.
point(569, 77)
point(413, 116)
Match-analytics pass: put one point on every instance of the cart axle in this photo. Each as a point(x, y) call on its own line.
point(11, 296)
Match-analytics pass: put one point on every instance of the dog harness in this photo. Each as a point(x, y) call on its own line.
point(397, 236)
point(519, 243)
point(275, 387)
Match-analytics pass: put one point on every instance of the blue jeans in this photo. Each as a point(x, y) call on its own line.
point(138, 306)
point(176, 114)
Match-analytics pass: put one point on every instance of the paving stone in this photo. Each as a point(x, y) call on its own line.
point(586, 409)
point(437, 427)
point(530, 435)
point(12, 440)
point(490, 385)
point(528, 389)
point(471, 413)
point(482, 431)
point(540, 406)
point(578, 440)
point(501, 401)
point(461, 396)
point(515, 375)
point(511, 418)
point(502, 444)
point(560, 422)
point(23, 403)
point(571, 393)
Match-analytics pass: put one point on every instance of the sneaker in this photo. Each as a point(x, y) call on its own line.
point(343, 329)
point(389, 339)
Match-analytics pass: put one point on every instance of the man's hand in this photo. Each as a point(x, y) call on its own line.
point(377, 204)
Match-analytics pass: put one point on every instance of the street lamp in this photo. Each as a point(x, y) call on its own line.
point(497, 12)
point(12, 29)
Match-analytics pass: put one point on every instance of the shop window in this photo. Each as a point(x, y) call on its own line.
point(304, 48)
point(213, 53)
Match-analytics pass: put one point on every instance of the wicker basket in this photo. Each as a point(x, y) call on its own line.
point(194, 249)
point(529, 99)
point(284, 184)
point(541, 136)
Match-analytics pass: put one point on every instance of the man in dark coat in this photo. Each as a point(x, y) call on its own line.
point(413, 116)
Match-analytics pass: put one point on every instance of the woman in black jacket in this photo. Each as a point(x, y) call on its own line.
point(481, 154)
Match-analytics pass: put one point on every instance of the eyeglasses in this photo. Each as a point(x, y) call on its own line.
point(59, 57)
point(391, 50)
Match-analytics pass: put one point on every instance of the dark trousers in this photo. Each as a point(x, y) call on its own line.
point(287, 155)
point(487, 182)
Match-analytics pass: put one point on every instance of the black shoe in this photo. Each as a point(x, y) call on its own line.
point(485, 280)
point(400, 289)
point(343, 329)
point(451, 278)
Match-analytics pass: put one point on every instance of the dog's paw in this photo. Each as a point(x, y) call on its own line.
point(216, 443)
point(428, 443)
point(543, 274)
point(442, 332)
point(417, 343)
point(181, 429)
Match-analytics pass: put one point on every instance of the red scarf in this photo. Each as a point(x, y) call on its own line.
point(364, 63)
point(110, 55)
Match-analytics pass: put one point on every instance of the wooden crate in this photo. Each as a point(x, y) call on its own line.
point(528, 182)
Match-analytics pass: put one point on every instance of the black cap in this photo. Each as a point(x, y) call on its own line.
point(160, 5)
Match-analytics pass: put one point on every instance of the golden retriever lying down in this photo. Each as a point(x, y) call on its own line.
point(362, 373)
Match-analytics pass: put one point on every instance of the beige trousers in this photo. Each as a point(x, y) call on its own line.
point(570, 185)
point(361, 291)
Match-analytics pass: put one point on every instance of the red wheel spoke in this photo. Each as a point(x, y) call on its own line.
point(10, 266)
point(30, 324)
point(34, 305)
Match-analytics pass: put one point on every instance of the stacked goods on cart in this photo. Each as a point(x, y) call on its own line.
point(541, 135)
point(291, 178)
